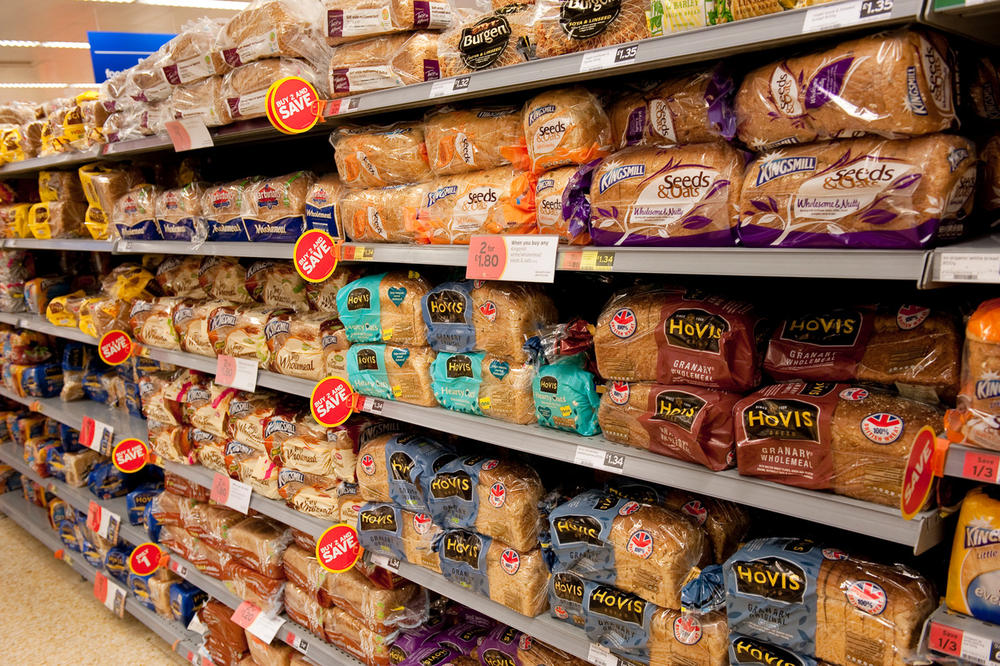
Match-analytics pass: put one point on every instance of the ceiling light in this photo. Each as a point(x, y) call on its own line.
point(26, 43)
point(48, 85)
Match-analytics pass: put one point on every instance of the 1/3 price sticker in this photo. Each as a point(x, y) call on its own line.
point(145, 559)
point(338, 548)
point(981, 466)
point(315, 255)
point(256, 621)
point(517, 258)
point(231, 493)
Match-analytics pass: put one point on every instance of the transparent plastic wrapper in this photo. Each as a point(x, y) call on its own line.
point(556, 206)
point(404, 487)
point(387, 529)
point(481, 39)
point(253, 469)
point(560, 26)
point(477, 383)
point(152, 323)
point(39, 291)
point(274, 208)
point(384, 62)
point(57, 219)
point(269, 654)
point(565, 396)
point(244, 90)
point(222, 207)
point(239, 331)
point(146, 81)
point(683, 422)
point(297, 442)
point(505, 315)
point(178, 276)
point(65, 310)
point(392, 372)
point(323, 206)
point(350, 20)
point(982, 88)
point(168, 443)
point(383, 215)
point(917, 349)
point(276, 283)
point(675, 336)
point(302, 608)
point(968, 574)
point(461, 140)
point(104, 185)
point(322, 296)
point(134, 215)
point(384, 306)
point(883, 607)
point(151, 119)
point(975, 420)
point(191, 324)
point(380, 156)
point(859, 193)
point(269, 28)
point(259, 543)
point(224, 279)
point(680, 196)
point(853, 441)
point(59, 186)
point(348, 632)
point(188, 55)
point(645, 549)
point(247, 415)
point(309, 345)
point(565, 126)
point(499, 201)
point(198, 100)
point(207, 409)
point(178, 213)
point(828, 94)
point(265, 593)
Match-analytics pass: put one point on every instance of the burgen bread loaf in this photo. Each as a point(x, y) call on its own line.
point(974, 421)
point(565, 126)
point(274, 208)
point(380, 156)
point(323, 206)
point(460, 140)
point(222, 206)
point(385, 306)
point(384, 62)
point(392, 372)
point(553, 211)
point(391, 468)
point(480, 39)
point(383, 215)
point(828, 94)
point(308, 345)
point(561, 26)
point(505, 315)
point(277, 283)
point(684, 195)
point(859, 193)
point(684, 422)
point(674, 336)
point(827, 436)
point(351, 20)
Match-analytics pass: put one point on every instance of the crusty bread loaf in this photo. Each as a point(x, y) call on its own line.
point(560, 26)
point(507, 314)
point(565, 126)
point(380, 156)
point(383, 215)
point(460, 140)
point(481, 40)
point(384, 62)
point(830, 94)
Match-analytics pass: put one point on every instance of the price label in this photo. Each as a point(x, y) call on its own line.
point(231, 493)
point(96, 435)
point(875, 8)
point(450, 86)
point(292, 105)
point(332, 401)
point(297, 642)
point(597, 260)
point(517, 258)
point(196, 625)
point(103, 522)
point(109, 594)
point(342, 105)
point(338, 548)
point(601, 656)
point(844, 14)
point(384, 561)
point(240, 373)
point(598, 459)
point(372, 405)
point(145, 559)
point(130, 455)
point(315, 255)
point(115, 347)
point(256, 621)
point(358, 253)
point(189, 134)
point(957, 643)
point(964, 267)
point(981, 466)
point(610, 57)
point(178, 568)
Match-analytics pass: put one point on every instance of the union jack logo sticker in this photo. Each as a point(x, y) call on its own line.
point(640, 544)
point(882, 427)
point(687, 630)
point(561, 612)
point(853, 394)
point(696, 509)
point(510, 561)
point(421, 523)
point(498, 494)
point(623, 323)
point(834, 554)
point(911, 316)
point(488, 310)
point(628, 508)
point(867, 596)
point(619, 392)
point(368, 464)
point(490, 464)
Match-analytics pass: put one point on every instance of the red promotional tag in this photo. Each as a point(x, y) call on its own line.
point(332, 401)
point(981, 466)
point(918, 478)
point(115, 347)
point(338, 548)
point(315, 255)
point(130, 455)
point(487, 258)
point(100, 587)
point(145, 559)
point(946, 640)
point(292, 105)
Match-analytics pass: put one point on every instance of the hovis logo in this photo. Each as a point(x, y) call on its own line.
point(359, 299)
point(463, 547)
point(439, 656)
point(548, 384)
point(568, 587)
point(400, 466)
point(781, 419)
point(494, 657)
point(618, 604)
point(771, 578)
point(458, 366)
point(837, 328)
point(678, 407)
point(367, 359)
point(452, 484)
point(446, 307)
point(382, 518)
point(695, 329)
point(751, 651)
point(578, 529)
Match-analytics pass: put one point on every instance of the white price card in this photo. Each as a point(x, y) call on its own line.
point(109, 594)
point(256, 621)
point(599, 459)
point(188, 134)
point(196, 625)
point(384, 561)
point(845, 14)
point(969, 267)
point(616, 56)
point(231, 493)
point(516, 258)
point(601, 656)
point(450, 86)
point(240, 373)
point(96, 435)
point(103, 522)
point(369, 404)
point(178, 568)
point(296, 641)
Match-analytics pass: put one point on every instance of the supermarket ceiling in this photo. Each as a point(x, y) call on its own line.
point(69, 21)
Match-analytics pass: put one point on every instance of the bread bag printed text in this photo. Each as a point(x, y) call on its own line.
point(380, 156)
point(976, 419)
point(478, 139)
point(274, 209)
point(385, 306)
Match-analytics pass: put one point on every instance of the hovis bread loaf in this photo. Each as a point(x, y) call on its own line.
point(975, 420)
point(859, 193)
point(814, 600)
point(565, 395)
point(565, 126)
point(323, 206)
point(694, 108)
point(385, 306)
point(827, 436)
point(460, 140)
point(644, 549)
point(277, 284)
point(684, 422)
point(383, 215)
point(269, 28)
point(385, 528)
point(392, 372)
point(830, 94)
point(222, 206)
point(274, 208)
point(480, 39)
point(685, 195)
point(447, 311)
point(499, 201)
point(380, 156)
point(481, 384)
point(675, 336)
point(565, 26)
point(384, 62)
point(391, 468)
point(912, 347)
point(505, 315)
point(974, 564)
point(554, 212)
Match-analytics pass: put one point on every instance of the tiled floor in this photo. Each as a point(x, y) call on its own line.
point(48, 613)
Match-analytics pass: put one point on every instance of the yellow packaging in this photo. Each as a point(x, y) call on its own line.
point(59, 314)
point(14, 220)
point(38, 221)
point(96, 222)
point(87, 324)
point(974, 572)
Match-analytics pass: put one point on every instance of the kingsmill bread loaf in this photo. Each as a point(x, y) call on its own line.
point(383, 215)
point(974, 557)
point(975, 420)
point(309, 345)
point(553, 211)
point(460, 140)
point(379, 156)
point(565, 126)
point(277, 283)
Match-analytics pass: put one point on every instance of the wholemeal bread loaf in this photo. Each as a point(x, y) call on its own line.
point(859, 193)
point(244, 90)
point(323, 206)
point(561, 26)
point(460, 140)
point(322, 296)
point(506, 314)
point(351, 20)
point(308, 345)
point(392, 372)
point(385, 306)
point(384, 62)
point(685, 195)
point(480, 39)
point(178, 212)
point(391, 469)
point(134, 216)
point(380, 156)
point(974, 422)
point(152, 323)
point(274, 208)
point(269, 28)
point(222, 206)
point(499, 201)
point(191, 323)
point(828, 94)
point(383, 215)
point(565, 126)
point(198, 100)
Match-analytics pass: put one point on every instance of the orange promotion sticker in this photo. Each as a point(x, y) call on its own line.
point(292, 105)
point(338, 548)
point(145, 559)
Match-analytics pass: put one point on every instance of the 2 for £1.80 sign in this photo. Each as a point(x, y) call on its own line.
point(292, 105)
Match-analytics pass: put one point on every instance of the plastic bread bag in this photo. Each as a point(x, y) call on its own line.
point(188, 58)
point(566, 397)
point(57, 219)
point(249, 585)
point(322, 296)
point(380, 156)
point(384, 306)
point(197, 100)
point(239, 332)
point(392, 372)
point(381, 480)
point(481, 38)
point(252, 468)
point(383, 215)
point(389, 530)
point(301, 607)
point(259, 543)
point(461, 140)
point(276, 283)
point(151, 322)
point(988, 187)
point(146, 81)
point(39, 291)
point(14, 220)
point(103, 185)
point(269, 28)
point(152, 118)
point(974, 422)
point(499, 201)
point(134, 216)
point(883, 605)
point(169, 443)
point(915, 190)
point(178, 276)
point(384, 62)
point(377, 609)
point(503, 644)
point(59, 186)
point(268, 653)
point(447, 312)
point(308, 345)
point(348, 21)
point(982, 88)
point(968, 574)
point(851, 440)
point(827, 94)
point(224, 279)
point(354, 637)
point(274, 208)
point(456, 380)
point(248, 413)
point(323, 206)
point(565, 126)
point(222, 206)
point(506, 315)
point(557, 200)
point(645, 549)
point(178, 213)
point(560, 26)
point(498, 498)
point(245, 88)
point(190, 320)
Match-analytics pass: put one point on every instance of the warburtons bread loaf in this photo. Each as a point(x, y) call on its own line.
point(859, 193)
point(391, 468)
point(644, 549)
point(975, 420)
point(974, 554)
point(684, 195)
point(134, 217)
point(562, 26)
point(384, 62)
point(506, 314)
point(565, 126)
point(392, 372)
point(222, 206)
point(460, 140)
point(820, 601)
point(674, 336)
point(684, 422)
point(385, 306)
point(308, 345)
point(178, 212)
point(480, 39)
point(274, 208)
point(829, 94)
point(825, 436)
point(323, 206)
point(383, 215)
point(380, 156)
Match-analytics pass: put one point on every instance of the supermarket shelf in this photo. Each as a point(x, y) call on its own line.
point(954, 638)
point(125, 425)
point(974, 261)
point(257, 250)
point(34, 521)
point(57, 161)
point(81, 244)
point(967, 462)
point(38, 323)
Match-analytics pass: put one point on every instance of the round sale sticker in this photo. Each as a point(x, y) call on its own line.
point(332, 401)
point(338, 548)
point(918, 478)
point(115, 347)
point(145, 559)
point(315, 255)
point(130, 455)
point(292, 105)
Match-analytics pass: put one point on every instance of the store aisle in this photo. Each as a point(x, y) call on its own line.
point(49, 615)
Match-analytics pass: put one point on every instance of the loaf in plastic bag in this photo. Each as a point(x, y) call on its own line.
point(560, 26)
point(151, 322)
point(308, 345)
point(566, 397)
point(973, 557)
point(178, 276)
point(269, 28)
point(555, 209)
point(481, 39)
point(477, 383)
point(323, 206)
point(188, 57)
point(565, 126)
point(974, 422)
point(380, 156)
point(506, 314)
point(387, 529)
point(380, 479)
point(277, 284)
point(191, 323)
point(384, 307)
point(384, 62)
point(198, 100)
point(392, 372)
point(57, 219)
point(244, 90)
point(383, 215)
point(499, 201)
point(134, 215)
point(59, 186)
point(221, 206)
point(350, 20)
point(224, 279)
point(178, 212)
point(274, 208)
point(460, 140)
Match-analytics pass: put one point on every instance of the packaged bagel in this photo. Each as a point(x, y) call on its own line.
point(384, 307)
point(380, 156)
point(384, 62)
point(477, 139)
point(482, 38)
point(565, 126)
point(974, 422)
point(392, 372)
point(383, 215)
